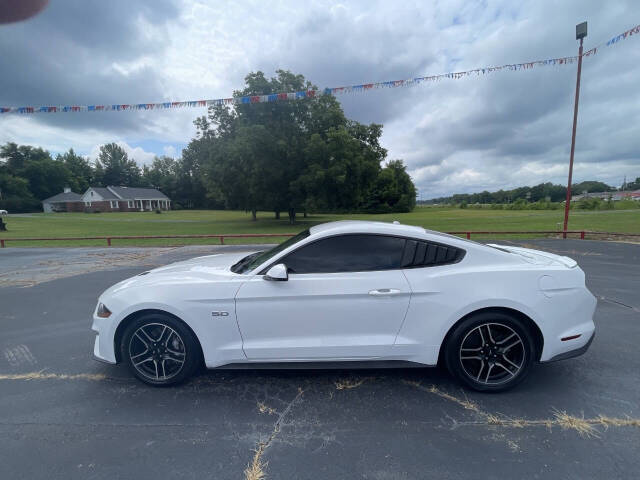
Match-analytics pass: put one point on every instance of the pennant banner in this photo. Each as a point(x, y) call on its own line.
point(276, 97)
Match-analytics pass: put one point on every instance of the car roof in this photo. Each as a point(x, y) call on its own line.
point(362, 226)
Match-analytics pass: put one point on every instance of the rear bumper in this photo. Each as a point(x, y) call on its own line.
point(573, 353)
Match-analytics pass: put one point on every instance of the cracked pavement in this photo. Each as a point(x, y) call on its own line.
point(62, 415)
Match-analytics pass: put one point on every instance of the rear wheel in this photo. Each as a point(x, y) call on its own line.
point(490, 351)
point(159, 349)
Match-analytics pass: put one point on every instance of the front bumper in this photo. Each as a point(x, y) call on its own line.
point(103, 348)
point(573, 353)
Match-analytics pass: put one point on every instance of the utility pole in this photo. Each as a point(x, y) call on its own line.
point(581, 32)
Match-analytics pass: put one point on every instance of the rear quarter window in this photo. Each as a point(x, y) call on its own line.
point(420, 253)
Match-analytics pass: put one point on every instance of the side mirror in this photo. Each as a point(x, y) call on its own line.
point(277, 273)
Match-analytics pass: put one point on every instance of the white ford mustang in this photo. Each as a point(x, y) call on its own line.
point(352, 291)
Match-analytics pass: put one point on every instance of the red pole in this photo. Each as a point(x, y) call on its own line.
point(567, 204)
point(582, 235)
point(108, 242)
point(468, 235)
point(2, 243)
point(221, 240)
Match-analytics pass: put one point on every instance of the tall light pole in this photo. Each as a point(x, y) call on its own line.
point(581, 32)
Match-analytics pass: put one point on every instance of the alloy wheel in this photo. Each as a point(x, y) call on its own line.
point(492, 354)
point(157, 351)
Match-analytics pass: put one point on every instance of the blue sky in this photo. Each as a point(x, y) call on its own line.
point(489, 132)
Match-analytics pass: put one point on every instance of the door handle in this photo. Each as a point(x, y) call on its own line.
point(384, 292)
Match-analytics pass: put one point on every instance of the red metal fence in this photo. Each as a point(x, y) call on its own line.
point(221, 237)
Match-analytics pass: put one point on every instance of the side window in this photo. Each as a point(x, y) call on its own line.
point(418, 253)
point(347, 253)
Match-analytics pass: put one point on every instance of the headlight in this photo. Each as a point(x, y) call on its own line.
point(103, 311)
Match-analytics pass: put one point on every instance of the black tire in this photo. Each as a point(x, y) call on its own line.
point(160, 365)
point(471, 351)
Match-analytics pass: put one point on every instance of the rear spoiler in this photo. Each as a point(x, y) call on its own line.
point(538, 256)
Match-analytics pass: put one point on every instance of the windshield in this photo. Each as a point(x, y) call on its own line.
point(250, 262)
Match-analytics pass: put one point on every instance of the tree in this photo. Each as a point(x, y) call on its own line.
point(118, 168)
point(287, 155)
point(590, 186)
point(633, 185)
point(46, 177)
point(82, 174)
point(394, 191)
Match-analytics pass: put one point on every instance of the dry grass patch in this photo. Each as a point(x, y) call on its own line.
point(348, 384)
point(255, 469)
point(617, 422)
point(263, 408)
point(465, 403)
point(579, 424)
point(52, 376)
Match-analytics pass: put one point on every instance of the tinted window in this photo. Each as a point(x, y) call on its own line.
point(347, 253)
point(250, 262)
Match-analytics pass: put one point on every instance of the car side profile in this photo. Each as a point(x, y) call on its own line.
point(352, 291)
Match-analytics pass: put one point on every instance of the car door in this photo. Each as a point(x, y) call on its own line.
point(345, 298)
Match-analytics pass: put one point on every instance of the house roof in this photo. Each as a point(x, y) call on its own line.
point(64, 197)
point(105, 193)
point(130, 193)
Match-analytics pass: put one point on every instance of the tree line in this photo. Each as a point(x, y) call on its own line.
point(539, 193)
point(30, 174)
point(289, 156)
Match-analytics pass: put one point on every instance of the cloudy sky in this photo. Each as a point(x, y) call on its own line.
point(488, 132)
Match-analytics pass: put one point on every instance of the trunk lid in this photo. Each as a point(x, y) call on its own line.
point(538, 257)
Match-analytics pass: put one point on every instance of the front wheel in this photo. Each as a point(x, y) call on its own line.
point(490, 351)
point(159, 349)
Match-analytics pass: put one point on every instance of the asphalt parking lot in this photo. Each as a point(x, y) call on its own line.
point(63, 415)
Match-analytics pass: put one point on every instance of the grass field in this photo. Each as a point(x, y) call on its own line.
point(185, 222)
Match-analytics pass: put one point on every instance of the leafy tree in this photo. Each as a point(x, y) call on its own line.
point(46, 177)
point(590, 186)
point(635, 185)
point(82, 174)
point(118, 168)
point(288, 155)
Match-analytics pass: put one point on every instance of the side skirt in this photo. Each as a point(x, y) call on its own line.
point(332, 365)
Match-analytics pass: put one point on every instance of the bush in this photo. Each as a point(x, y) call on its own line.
point(519, 204)
point(496, 206)
point(589, 204)
point(157, 210)
point(20, 205)
point(626, 204)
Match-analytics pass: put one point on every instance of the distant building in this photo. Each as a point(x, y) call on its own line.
point(66, 201)
point(108, 199)
point(615, 196)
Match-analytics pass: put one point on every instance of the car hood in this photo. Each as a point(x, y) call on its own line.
point(211, 268)
point(538, 257)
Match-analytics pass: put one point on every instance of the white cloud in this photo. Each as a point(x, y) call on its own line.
point(170, 151)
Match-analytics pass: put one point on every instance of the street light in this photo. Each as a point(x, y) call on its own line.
point(581, 32)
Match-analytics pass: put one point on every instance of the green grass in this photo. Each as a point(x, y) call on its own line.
point(223, 222)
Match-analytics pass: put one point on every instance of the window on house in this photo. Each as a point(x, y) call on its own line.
point(130, 203)
point(113, 203)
